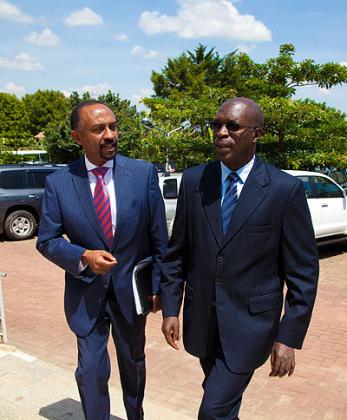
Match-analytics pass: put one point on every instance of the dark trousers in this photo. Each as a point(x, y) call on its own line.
point(94, 368)
point(223, 389)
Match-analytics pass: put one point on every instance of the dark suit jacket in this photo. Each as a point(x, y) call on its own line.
point(140, 232)
point(236, 283)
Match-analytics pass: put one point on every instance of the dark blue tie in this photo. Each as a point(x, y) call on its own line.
point(230, 200)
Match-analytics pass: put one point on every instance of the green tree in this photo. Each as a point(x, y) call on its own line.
point(60, 146)
point(14, 122)
point(310, 134)
point(192, 72)
point(45, 107)
point(199, 77)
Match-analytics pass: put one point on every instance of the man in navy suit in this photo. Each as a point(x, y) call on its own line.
point(242, 231)
point(102, 245)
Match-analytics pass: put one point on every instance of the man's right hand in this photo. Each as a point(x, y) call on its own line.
point(171, 330)
point(99, 261)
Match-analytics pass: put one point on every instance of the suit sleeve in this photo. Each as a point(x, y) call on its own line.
point(172, 283)
point(299, 263)
point(158, 233)
point(50, 241)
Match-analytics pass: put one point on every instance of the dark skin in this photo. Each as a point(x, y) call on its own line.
point(235, 149)
point(97, 133)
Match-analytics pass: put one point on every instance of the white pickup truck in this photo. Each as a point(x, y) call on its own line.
point(326, 200)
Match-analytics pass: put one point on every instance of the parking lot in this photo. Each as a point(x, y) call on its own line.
point(33, 293)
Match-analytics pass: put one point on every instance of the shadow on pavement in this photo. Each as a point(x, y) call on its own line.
point(332, 250)
point(66, 409)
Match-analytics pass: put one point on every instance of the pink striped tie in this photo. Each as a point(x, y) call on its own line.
point(102, 203)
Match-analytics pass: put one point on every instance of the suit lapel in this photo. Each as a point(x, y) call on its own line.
point(122, 183)
point(210, 194)
point(253, 193)
point(82, 187)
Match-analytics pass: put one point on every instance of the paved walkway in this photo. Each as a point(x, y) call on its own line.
point(44, 387)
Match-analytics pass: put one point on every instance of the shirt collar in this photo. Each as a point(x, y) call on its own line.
point(242, 172)
point(90, 165)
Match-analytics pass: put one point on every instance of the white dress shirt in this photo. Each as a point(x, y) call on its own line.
point(242, 172)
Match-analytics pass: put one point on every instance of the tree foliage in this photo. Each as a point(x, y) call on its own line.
point(308, 132)
point(192, 72)
point(45, 107)
point(297, 133)
point(14, 123)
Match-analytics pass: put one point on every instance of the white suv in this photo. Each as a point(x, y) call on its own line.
point(169, 186)
point(326, 200)
point(327, 203)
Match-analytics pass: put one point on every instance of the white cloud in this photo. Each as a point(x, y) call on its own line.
point(95, 90)
point(84, 17)
point(343, 63)
point(206, 18)
point(9, 11)
point(324, 92)
point(44, 39)
point(137, 97)
point(142, 52)
point(121, 37)
point(22, 62)
point(16, 89)
point(66, 93)
point(246, 48)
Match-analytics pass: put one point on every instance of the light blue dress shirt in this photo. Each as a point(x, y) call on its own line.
point(242, 172)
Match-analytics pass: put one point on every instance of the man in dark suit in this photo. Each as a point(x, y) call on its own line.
point(242, 231)
point(111, 210)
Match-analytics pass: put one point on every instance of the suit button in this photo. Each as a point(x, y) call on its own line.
point(219, 282)
point(220, 259)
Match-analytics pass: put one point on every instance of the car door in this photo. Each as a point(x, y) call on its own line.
point(313, 204)
point(36, 184)
point(14, 188)
point(331, 201)
point(170, 193)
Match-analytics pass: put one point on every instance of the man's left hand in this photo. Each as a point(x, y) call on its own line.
point(282, 360)
point(156, 303)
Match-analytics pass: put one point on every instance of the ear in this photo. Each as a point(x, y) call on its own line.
point(257, 134)
point(76, 136)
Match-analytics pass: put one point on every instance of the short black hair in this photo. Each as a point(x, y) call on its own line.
point(75, 114)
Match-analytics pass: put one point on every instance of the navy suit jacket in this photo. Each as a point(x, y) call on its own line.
point(236, 283)
point(141, 231)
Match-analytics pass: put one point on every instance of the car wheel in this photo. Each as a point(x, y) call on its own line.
point(20, 225)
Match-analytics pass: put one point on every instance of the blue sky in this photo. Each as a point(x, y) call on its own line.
point(112, 44)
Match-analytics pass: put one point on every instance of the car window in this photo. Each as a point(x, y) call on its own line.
point(325, 188)
point(170, 188)
point(15, 179)
point(36, 179)
point(308, 186)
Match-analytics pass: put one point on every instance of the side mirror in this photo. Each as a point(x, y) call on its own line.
point(170, 189)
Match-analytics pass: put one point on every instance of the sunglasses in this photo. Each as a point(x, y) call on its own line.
point(231, 126)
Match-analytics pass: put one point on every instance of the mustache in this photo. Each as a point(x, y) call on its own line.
point(224, 142)
point(109, 143)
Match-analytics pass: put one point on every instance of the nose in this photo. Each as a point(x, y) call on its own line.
point(110, 133)
point(223, 131)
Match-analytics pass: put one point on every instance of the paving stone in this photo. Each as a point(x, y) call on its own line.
point(33, 293)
